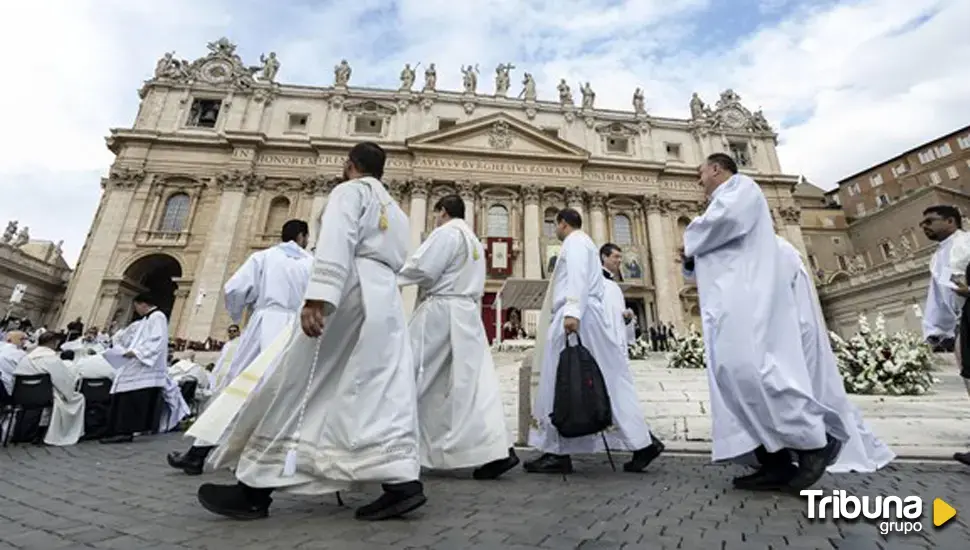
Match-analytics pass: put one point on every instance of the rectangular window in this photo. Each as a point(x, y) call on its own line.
point(551, 132)
point(860, 209)
point(298, 122)
point(740, 153)
point(843, 265)
point(943, 150)
point(882, 200)
point(875, 180)
point(673, 151)
point(964, 141)
point(446, 123)
point(853, 189)
point(952, 172)
point(368, 125)
point(900, 169)
point(617, 145)
point(935, 178)
point(927, 156)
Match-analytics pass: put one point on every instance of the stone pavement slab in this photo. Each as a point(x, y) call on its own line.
point(676, 404)
point(97, 496)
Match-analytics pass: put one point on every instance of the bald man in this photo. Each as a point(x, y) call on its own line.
point(11, 352)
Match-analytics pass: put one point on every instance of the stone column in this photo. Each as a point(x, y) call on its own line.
point(597, 208)
point(418, 217)
point(467, 190)
point(178, 310)
point(95, 260)
point(575, 199)
point(531, 232)
point(319, 187)
point(662, 258)
point(212, 273)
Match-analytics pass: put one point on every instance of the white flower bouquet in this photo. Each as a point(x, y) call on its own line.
point(688, 351)
point(874, 363)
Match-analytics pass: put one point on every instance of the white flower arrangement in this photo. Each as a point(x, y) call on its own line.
point(688, 351)
point(639, 348)
point(874, 363)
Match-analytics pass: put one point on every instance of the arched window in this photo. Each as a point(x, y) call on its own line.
point(176, 213)
point(549, 222)
point(622, 232)
point(279, 212)
point(498, 221)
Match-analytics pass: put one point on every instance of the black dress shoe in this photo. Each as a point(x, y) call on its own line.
point(235, 501)
point(962, 458)
point(117, 439)
point(768, 478)
point(496, 468)
point(550, 464)
point(398, 499)
point(642, 458)
point(192, 462)
point(812, 464)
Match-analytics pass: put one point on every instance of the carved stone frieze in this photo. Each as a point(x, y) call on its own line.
point(318, 184)
point(222, 67)
point(238, 180)
point(791, 215)
point(553, 198)
point(597, 200)
point(125, 178)
point(397, 189)
point(500, 135)
point(531, 193)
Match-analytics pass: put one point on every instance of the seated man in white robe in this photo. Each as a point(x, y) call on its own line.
point(141, 376)
point(576, 300)
point(460, 413)
point(340, 407)
point(762, 400)
point(67, 417)
point(271, 284)
point(863, 452)
point(80, 345)
point(11, 352)
point(220, 373)
point(93, 366)
point(188, 369)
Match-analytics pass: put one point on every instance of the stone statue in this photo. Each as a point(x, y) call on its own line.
point(341, 73)
point(529, 89)
point(891, 250)
point(639, 103)
point(169, 67)
point(430, 78)
point(469, 78)
point(502, 79)
point(565, 93)
point(859, 263)
point(9, 232)
point(58, 249)
point(270, 66)
point(759, 123)
point(407, 77)
point(697, 108)
point(589, 96)
point(23, 237)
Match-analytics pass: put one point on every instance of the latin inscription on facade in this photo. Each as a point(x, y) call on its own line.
point(494, 166)
point(619, 177)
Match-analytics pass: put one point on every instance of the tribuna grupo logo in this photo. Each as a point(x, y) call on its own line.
point(902, 515)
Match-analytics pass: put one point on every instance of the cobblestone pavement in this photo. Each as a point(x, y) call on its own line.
point(96, 496)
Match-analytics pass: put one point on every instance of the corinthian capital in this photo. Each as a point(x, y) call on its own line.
point(655, 204)
point(531, 193)
point(125, 178)
point(419, 188)
point(575, 195)
point(238, 180)
point(467, 190)
point(791, 215)
point(597, 200)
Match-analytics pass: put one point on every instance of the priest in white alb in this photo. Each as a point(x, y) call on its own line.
point(67, 416)
point(460, 413)
point(220, 373)
point(944, 224)
point(340, 408)
point(575, 303)
point(624, 324)
point(762, 400)
point(143, 397)
point(270, 284)
point(863, 452)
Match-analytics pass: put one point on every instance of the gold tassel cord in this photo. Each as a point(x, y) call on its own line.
point(382, 221)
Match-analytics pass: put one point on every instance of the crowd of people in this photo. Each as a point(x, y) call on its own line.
point(329, 385)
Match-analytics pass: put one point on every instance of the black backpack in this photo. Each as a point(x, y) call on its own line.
point(581, 405)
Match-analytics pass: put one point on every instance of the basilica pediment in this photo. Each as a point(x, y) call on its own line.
point(497, 134)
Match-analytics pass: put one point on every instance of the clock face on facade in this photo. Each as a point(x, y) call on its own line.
point(217, 71)
point(734, 118)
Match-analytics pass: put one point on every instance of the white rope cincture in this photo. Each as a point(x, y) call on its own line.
point(289, 464)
